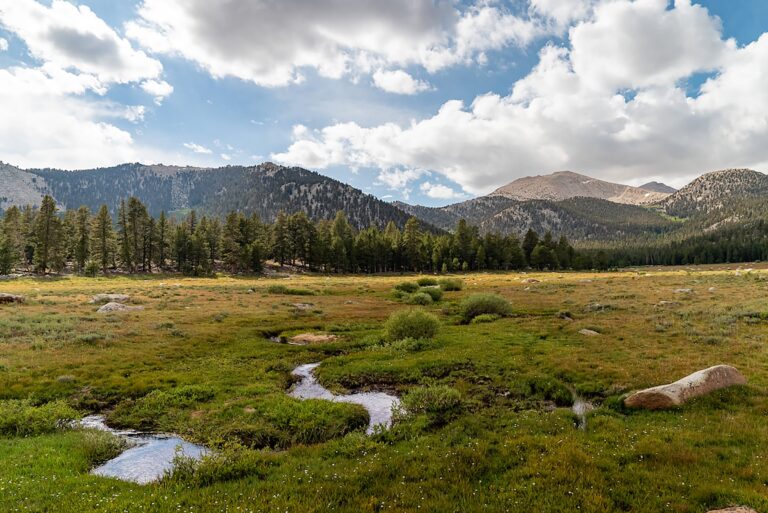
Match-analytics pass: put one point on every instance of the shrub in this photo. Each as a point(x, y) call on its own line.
point(289, 291)
point(479, 304)
point(426, 281)
point(439, 403)
point(22, 418)
point(451, 284)
point(483, 318)
point(412, 323)
point(91, 269)
point(407, 286)
point(435, 293)
point(419, 298)
point(230, 462)
point(100, 446)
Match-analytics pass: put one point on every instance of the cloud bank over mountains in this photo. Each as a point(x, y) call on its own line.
point(626, 90)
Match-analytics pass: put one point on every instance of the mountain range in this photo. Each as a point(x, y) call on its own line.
point(578, 206)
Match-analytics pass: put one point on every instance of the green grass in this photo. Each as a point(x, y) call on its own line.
point(487, 425)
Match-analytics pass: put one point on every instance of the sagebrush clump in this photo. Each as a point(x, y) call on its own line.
point(451, 284)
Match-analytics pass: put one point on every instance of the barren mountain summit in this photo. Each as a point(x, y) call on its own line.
point(567, 184)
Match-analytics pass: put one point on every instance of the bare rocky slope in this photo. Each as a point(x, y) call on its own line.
point(714, 191)
point(567, 184)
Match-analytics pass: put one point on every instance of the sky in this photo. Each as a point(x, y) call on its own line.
point(425, 101)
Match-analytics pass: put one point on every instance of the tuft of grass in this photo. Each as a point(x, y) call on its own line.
point(101, 446)
point(480, 304)
point(438, 402)
point(408, 287)
point(451, 284)
point(435, 293)
point(289, 291)
point(419, 298)
point(485, 318)
point(411, 323)
point(427, 281)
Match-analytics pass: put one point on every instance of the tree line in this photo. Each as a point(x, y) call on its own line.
point(44, 239)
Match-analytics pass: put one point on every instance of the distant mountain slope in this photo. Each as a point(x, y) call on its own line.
point(577, 218)
point(19, 187)
point(716, 190)
point(567, 184)
point(658, 187)
point(265, 190)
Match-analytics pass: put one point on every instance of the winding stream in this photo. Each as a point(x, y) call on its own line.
point(148, 457)
point(378, 404)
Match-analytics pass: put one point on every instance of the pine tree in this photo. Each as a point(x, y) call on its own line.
point(103, 239)
point(412, 244)
point(530, 241)
point(82, 237)
point(49, 250)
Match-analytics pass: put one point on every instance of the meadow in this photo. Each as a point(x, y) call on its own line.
point(487, 426)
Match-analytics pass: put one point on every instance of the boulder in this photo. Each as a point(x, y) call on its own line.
point(110, 298)
point(697, 384)
point(118, 307)
point(312, 338)
point(10, 298)
point(589, 333)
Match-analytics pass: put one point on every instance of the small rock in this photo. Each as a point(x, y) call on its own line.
point(683, 291)
point(697, 384)
point(589, 333)
point(531, 280)
point(302, 306)
point(733, 509)
point(118, 307)
point(110, 298)
point(597, 307)
point(662, 304)
point(712, 289)
point(10, 298)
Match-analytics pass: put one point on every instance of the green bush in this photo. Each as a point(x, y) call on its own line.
point(426, 281)
point(484, 318)
point(412, 323)
point(451, 284)
point(407, 286)
point(439, 403)
point(479, 304)
point(289, 291)
point(435, 293)
point(419, 298)
point(22, 418)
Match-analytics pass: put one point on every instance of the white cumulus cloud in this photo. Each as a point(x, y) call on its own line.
point(612, 103)
point(159, 89)
point(272, 43)
point(197, 148)
point(439, 191)
point(398, 82)
point(3, 44)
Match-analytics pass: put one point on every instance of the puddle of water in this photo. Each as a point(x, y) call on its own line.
point(148, 457)
point(378, 404)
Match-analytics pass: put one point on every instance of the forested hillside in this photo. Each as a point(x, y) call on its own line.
point(264, 190)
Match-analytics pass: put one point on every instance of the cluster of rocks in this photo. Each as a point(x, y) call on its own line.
point(114, 303)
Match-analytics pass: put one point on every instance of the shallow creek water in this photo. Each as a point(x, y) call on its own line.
point(378, 404)
point(581, 408)
point(148, 457)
